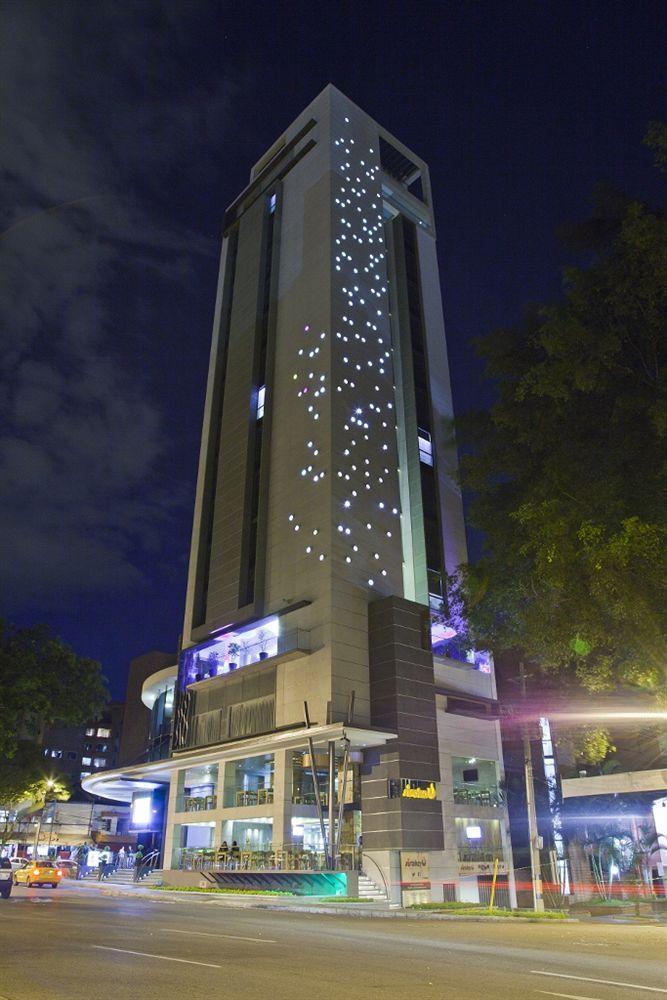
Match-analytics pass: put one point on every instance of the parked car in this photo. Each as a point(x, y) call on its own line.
point(39, 873)
point(6, 878)
point(17, 863)
point(69, 868)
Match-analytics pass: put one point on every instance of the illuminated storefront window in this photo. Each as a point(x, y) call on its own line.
point(478, 839)
point(249, 782)
point(475, 781)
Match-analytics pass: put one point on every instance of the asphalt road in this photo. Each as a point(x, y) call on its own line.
point(79, 944)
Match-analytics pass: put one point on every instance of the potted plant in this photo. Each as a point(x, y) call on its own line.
point(233, 649)
point(262, 636)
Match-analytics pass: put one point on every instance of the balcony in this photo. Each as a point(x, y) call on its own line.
point(478, 796)
point(221, 657)
point(255, 797)
point(196, 803)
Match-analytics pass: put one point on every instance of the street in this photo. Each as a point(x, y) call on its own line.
point(82, 944)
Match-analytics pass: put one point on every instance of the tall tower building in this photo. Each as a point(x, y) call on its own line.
point(323, 704)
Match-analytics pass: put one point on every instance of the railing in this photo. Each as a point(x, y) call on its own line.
point(366, 858)
point(478, 796)
point(214, 662)
point(254, 797)
point(308, 799)
point(290, 857)
point(196, 803)
point(146, 865)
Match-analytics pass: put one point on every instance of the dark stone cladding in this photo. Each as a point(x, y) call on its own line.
point(402, 691)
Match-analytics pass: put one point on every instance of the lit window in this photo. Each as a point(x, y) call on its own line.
point(103, 747)
point(425, 447)
point(56, 753)
point(261, 397)
point(99, 762)
point(90, 732)
point(87, 761)
point(474, 832)
point(272, 203)
point(104, 733)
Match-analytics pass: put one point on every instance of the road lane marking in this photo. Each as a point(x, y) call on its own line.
point(569, 996)
point(164, 958)
point(231, 937)
point(605, 982)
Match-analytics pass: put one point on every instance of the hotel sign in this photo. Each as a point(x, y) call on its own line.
point(415, 872)
point(411, 788)
point(481, 867)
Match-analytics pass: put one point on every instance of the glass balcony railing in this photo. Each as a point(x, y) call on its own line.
point(220, 657)
point(254, 797)
point(196, 803)
point(289, 857)
point(478, 796)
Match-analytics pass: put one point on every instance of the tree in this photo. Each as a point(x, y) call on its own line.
point(24, 783)
point(43, 681)
point(567, 469)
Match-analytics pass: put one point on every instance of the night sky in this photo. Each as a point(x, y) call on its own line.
point(126, 129)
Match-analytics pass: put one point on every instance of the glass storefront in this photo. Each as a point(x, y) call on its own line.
point(250, 835)
point(303, 789)
point(476, 781)
point(197, 788)
point(249, 782)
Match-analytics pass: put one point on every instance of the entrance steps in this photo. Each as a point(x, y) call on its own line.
point(125, 876)
point(369, 890)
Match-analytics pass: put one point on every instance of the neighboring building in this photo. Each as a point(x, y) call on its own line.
point(615, 815)
point(326, 519)
point(75, 752)
point(147, 728)
point(64, 827)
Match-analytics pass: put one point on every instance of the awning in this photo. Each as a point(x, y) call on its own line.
point(120, 785)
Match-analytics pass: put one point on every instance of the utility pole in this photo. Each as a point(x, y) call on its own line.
point(533, 835)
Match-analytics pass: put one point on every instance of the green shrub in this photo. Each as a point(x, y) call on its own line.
point(235, 892)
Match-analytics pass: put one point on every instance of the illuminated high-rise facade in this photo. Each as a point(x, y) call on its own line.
point(326, 518)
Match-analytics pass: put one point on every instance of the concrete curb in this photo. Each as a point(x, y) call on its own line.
point(335, 909)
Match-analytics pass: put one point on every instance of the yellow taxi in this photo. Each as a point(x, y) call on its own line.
point(39, 873)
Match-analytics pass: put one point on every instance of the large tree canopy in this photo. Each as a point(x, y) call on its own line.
point(43, 681)
point(567, 470)
point(25, 783)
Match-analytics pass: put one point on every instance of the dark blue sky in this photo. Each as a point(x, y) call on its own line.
point(126, 130)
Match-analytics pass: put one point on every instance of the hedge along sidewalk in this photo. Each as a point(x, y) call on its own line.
point(301, 904)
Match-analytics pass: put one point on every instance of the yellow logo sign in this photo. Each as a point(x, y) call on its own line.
point(415, 792)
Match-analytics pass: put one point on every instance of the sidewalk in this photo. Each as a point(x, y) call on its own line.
point(299, 904)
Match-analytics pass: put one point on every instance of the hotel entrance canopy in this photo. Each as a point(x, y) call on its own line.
point(120, 785)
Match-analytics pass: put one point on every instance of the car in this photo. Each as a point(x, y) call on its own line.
point(17, 863)
point(6, 878)
point(69, 868)
point(39, 873)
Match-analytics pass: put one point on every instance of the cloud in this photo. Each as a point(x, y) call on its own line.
point(95, 127)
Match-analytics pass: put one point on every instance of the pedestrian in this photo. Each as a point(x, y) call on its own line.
point(223, 854)
point(235, 853)
point(120, 858)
